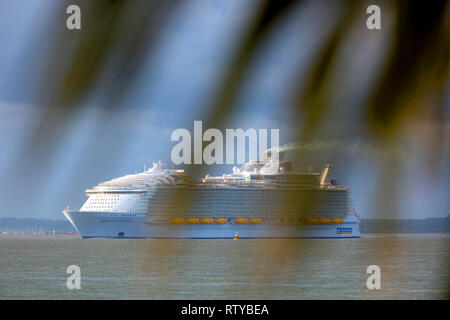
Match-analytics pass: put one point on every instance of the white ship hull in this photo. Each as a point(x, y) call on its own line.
point(125, 225)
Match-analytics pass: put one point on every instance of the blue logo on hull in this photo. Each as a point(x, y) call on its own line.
point(344, 231)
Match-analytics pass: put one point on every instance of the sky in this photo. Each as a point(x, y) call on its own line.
point(172, 89)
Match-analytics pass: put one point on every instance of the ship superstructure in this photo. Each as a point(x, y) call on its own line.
point(262, 199)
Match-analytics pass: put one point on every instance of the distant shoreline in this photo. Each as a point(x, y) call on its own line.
point(417, 235)
point(9, 235)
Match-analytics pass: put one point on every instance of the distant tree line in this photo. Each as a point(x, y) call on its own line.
point(32, 225)
point(429, 225)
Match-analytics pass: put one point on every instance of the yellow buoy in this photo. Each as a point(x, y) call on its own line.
point(236, 236)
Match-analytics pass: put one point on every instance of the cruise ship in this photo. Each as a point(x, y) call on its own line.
point(262, 199)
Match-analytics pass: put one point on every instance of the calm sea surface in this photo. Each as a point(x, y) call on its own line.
point(413, 266)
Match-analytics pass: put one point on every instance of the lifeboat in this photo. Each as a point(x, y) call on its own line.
point(220, 220)
point(325, 221)
point(240, 220)
point(176, 220)
point(337, 220)
point(254, 220)
point(192, 220)
point(312, 221)
point(206, 220)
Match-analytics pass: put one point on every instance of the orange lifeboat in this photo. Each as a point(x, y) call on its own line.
point(176, 220)
point(206, 220)
point(192, 220)
point(240, 220)
point(254, 220)
point(220, 220)
point(337, 220)
point(312, 221)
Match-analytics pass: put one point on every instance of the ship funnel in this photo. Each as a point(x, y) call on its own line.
point(326, 168)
